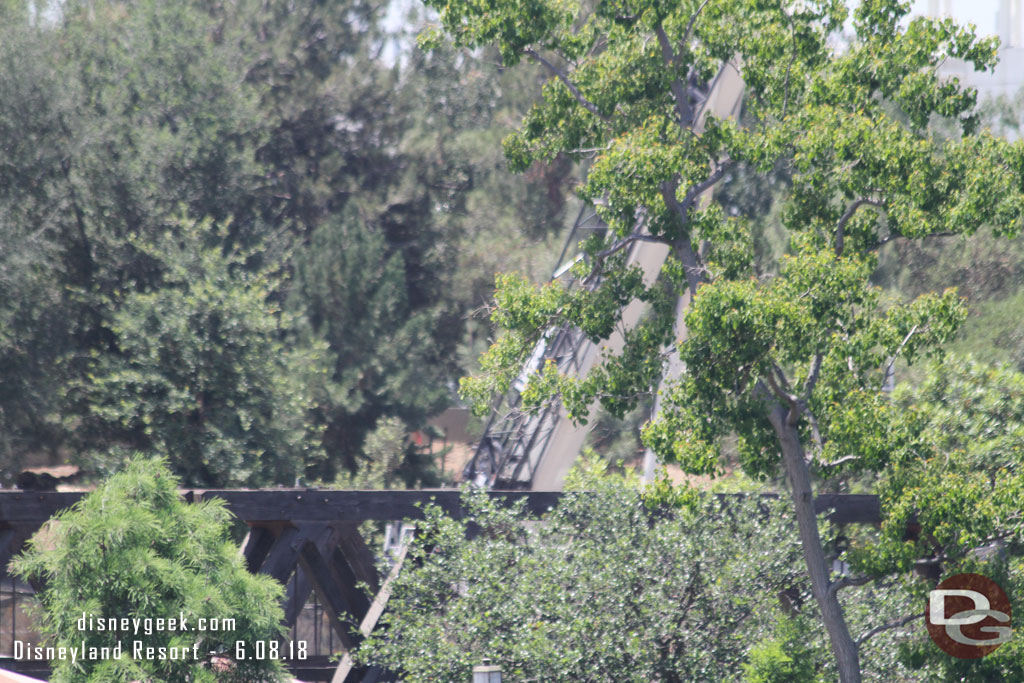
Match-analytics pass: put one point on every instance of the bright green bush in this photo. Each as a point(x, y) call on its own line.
point(133, 548)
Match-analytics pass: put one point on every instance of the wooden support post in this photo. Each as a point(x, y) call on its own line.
point(346, 669)
point(357, 599)
point(256, 545)
point(6, 549)
point(283, 554)
point(372, 675)
point(12, 542)
point(359, 556)
point(327, 585)
point(324, 538)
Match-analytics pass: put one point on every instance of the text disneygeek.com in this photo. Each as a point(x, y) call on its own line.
point(143, 650)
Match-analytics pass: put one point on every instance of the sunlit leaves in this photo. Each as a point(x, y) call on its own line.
point(134, 549)
point(605, 588)
point(811, 344)
point(959, 478)
point(862, 175)
point(511, 25)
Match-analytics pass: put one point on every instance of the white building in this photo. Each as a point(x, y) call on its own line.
point(1008, 78)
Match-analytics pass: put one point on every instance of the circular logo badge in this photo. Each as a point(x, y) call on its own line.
point(968, 616)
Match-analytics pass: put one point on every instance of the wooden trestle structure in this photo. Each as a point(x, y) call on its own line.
point(309, 540)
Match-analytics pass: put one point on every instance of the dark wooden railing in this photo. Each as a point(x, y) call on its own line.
point(309, 540)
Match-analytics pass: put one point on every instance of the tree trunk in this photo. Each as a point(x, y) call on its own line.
point(843, 647)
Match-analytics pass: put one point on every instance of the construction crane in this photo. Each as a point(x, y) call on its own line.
point(535, 450)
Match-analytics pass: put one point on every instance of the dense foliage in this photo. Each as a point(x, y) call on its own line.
point(350, 198)
point(604, 588)
point(959, 490)
point(208, 371)
point(134, 549)
point(789, 366)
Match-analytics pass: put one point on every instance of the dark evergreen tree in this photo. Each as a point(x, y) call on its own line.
point(272, 124)
point(207, 371)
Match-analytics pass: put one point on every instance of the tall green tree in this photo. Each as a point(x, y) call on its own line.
point(35, 327)
point(134, 549)
point(207, 370)
point(115, 118)
point(271, 123)
point(952, 502)
point(394, 162)
point(793, 365)
point(358, 295)
point(328, 123)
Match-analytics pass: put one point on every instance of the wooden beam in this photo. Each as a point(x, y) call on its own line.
point(256, 546)
point(850, 508)
point(268, 505)
point(328, 588)
point(276, 505)
point(359, 557)
point(264, 506)
point(283, 555)
point(36, 506)
point(346, 670)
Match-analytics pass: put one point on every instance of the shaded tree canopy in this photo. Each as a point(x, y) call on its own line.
point(280, 131)
point(207, 370)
